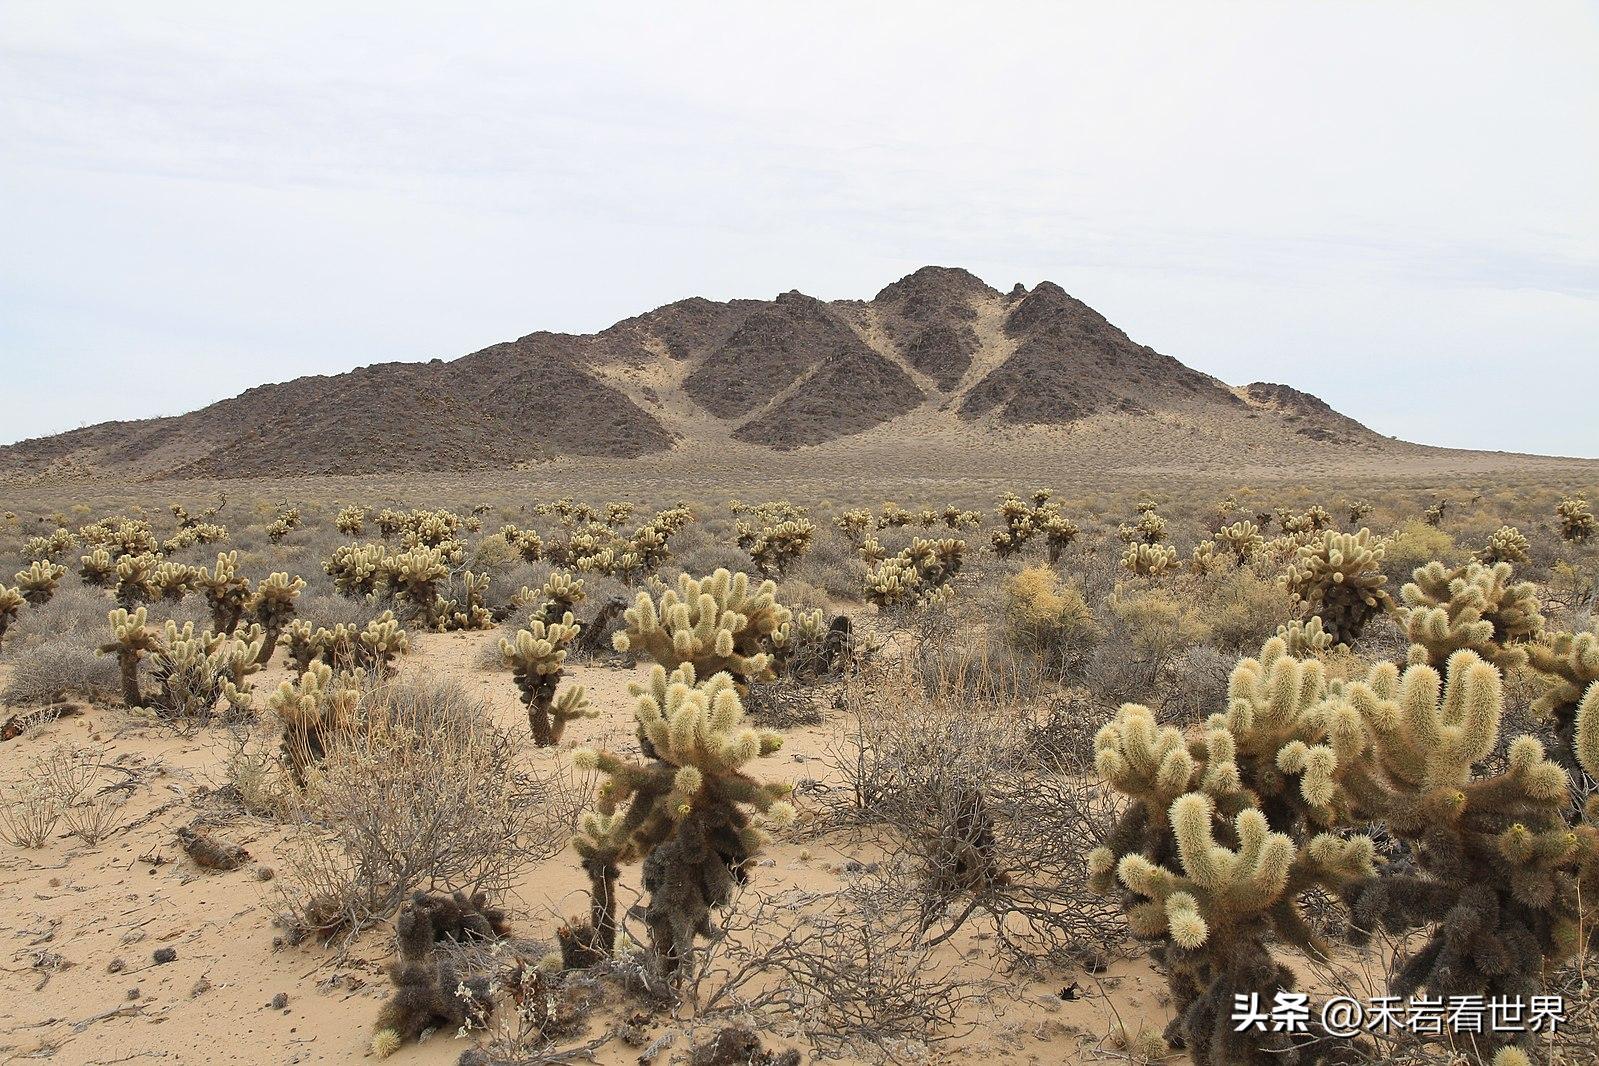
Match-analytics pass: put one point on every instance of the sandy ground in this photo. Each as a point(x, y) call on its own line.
point(83, 922)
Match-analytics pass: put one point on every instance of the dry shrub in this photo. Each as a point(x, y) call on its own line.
point(1047, 617)
point(991, 801)
point(61, 668)
point(1414, 544)
point(847, 969)
point(63, 785)
point(1243, 608)
point(422, 792)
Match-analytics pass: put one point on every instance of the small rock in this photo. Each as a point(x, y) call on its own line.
point(133, 993)
point(201, 987)
point(163, 956)
point(264, 873)
point(115, 966)
point(279, 1001)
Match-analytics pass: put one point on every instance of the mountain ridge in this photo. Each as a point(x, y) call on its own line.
point(937, 354)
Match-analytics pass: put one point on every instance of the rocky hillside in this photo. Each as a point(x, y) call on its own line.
point(937, 352)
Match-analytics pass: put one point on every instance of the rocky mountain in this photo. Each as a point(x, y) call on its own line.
point(937, 352)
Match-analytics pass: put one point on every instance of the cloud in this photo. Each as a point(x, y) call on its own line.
point(1390, 205)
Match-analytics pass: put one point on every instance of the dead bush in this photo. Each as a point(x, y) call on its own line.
point(422, 791)
point(61, 668)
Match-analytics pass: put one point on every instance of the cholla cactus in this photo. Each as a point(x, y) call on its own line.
point(287, 521)
point(379, 643)
point(692, 812)
point(413, 577)
point(312, 708)
point(120, 536)
point(1305, 639)
point(358, 569)
point(526, 543)
point(173, 581)
point(1150, 528)
point(1018, 527)
point(1507, 545)
point(919, 576)
point(196, 672)
point(226, 591)
point(38, 582)
point(1338, 577)
point(272, 605)
point(50, 548)
point(1149, 560)
point(892, 516)
point(350, 520)
point(1214, 908)
point(537, 656)
point(717, 624)
point(202, 533)
point(955, 518)
point(774, 548)
point(1576, 519)
point(11, 601)
point(1434, 515)
point(1473, 606)
point(135, 579)
point(1243, 539)
point(1567, 665)
point(306, 644)
point(855, 524)
point(559, 595)
point(1207, 558)
point(131, 639)
point(1357, 510)
point(97, 569)
point(468, 612)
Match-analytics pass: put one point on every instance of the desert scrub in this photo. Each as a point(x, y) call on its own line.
point(59, 668)
point(692, 815)
point(363, 840)
point(1048, 617)
point(1416, 544)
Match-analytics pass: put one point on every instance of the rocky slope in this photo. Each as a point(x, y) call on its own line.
point(937, 353)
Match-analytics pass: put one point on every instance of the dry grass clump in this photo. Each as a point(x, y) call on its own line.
point(420, 791)
point(65, 785)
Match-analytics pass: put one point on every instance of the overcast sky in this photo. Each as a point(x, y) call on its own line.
point(1392, 205)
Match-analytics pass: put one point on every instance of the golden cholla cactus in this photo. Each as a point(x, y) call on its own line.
point(537, 657)
point(1305, 638)
point(135, 579)
point(717, 623)
point(350, 520)
point(11, 601)
point(1567, 666)
point(691, 811)
point(1473, 606)
point(272, 605)
point(1507, 545)
point(1017, 526)
point(287, 520)
point(855, 524)
point(358, 569)
point(1243, 539)
point(918, 576)
point(173, 581)
point(1207, 558)
point(1149, 560)
point(196, 672)
point(559, 595)
point(131, 639)
point(49, 548)
point(467, 612)
point(226, 591)
point(379, 643)
point(526, 543)
point(774, 548)
point(97, 569)
point(413, 576)
point(38, 582)
point(1576, 519)
point(1338, 577)
point(313, 708)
